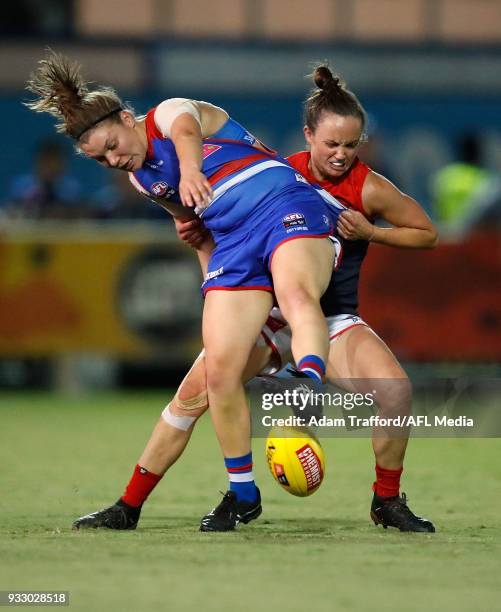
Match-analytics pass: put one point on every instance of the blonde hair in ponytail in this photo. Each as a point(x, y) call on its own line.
point(63, 93)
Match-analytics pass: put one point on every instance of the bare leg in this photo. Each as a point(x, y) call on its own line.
point(231, 324)
point(301, 272)
point(360, 354)
point(167, 442)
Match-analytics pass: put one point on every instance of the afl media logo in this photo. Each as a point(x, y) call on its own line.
point(159, 188)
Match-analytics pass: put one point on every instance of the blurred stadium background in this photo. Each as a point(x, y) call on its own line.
point(96, 292)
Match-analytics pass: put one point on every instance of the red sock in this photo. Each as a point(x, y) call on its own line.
point(140, 486)
point(387, 482)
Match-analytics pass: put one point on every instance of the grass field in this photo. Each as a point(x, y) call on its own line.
point(63, 458)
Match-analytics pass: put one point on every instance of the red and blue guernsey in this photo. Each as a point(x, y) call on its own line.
point(259, 202)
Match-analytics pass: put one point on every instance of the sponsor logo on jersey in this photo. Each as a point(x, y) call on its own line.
point(300, 178)
point(156, 163)
point(161, 189)
point(293, 220)
point(296, 229)
point(210, 275)
point(250, 138)
point(209, 149)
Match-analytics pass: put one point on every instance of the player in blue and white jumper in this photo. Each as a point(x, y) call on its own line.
point(270, 227)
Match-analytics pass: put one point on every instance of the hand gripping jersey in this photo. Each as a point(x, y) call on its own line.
point(259, 202)
point(341, 296)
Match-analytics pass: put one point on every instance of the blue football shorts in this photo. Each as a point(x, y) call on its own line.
point(242, 257)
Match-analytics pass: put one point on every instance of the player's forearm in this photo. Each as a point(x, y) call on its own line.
point(189, 151)
point(405, 237)
point(194, 188)
point(178, 211)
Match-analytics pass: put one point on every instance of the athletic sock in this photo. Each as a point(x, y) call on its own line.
point(387, 482)
point(241, 477)
point(140, 486)
point(313, 366)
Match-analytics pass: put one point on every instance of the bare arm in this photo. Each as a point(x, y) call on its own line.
point(187, 122)
point(204, 254)
point(178, 211)
point(411, 226)
point(197, 236)
point(189, 228)
point(194, 188)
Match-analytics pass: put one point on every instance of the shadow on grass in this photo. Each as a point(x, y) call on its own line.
point(302, 526)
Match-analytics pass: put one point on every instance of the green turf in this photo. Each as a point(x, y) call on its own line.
point(63, 458)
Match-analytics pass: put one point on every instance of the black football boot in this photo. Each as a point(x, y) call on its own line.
point(394, 512)
point(230, 513)
point(118, 516)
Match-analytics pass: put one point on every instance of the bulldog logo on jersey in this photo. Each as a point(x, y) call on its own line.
point(209, 149)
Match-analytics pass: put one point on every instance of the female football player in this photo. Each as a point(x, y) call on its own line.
point(269, 225)
point(334, 130)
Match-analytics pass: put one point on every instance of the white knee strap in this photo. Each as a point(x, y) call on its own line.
point(179, 422)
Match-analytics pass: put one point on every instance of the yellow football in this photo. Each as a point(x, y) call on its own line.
point(296, 460)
